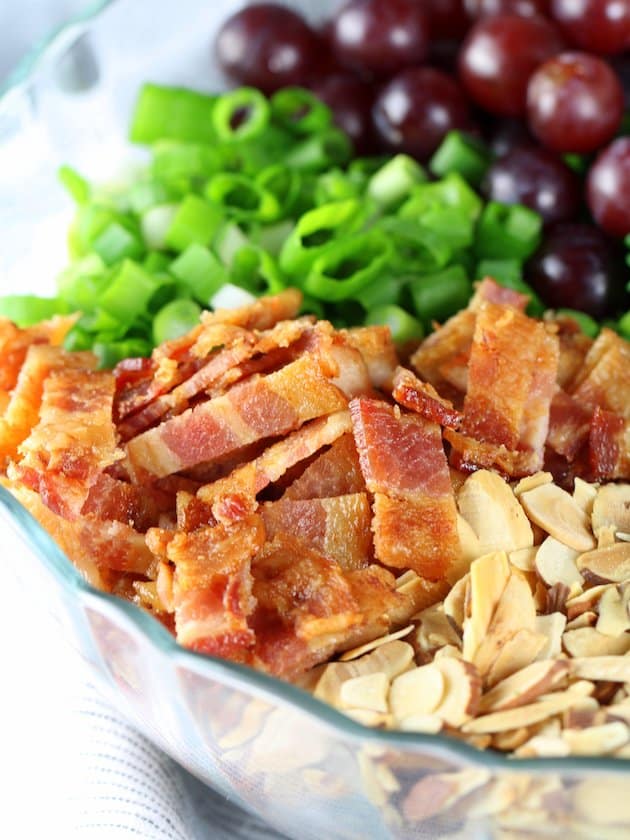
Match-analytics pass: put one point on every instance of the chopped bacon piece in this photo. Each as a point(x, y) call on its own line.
point(442, 358)
point(569, 424)
point(604, 380)
point(335, 472)
point(609, 445)
point(254, 410)
point(422, 398)
point(489, 291)
point(304, 604)
point(469, 454)
point(574, 346)
point(403, 462)
point(139, 507)
point(378, 351)
point(22, 411)
point(74, 440)
point(237, 492)
point(353, 377)
point(338, 527)
point(212, 584)
point(262, 314)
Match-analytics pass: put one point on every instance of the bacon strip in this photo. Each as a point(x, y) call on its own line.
point(604, 380)
point(250, 411)
point(442, 358)
point(74, 440)
point(377, 350)
point(609, 445)
point(424, 399)
point(338, 527)
point(336, 472)
point(569, 424)
point(489, 291)
point(403, 462)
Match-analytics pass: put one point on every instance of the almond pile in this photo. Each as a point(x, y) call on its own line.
point(528, 651)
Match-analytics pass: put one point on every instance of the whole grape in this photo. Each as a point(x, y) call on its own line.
point(601, 26)
point(608, 188)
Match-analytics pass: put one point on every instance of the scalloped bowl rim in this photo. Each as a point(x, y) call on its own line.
point(230, 673)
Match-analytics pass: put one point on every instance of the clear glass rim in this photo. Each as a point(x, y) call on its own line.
point(227, 672)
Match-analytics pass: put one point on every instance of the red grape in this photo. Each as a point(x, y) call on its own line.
point(576, 267)
point(523, 8)
point(508, 134)
point(447, 19)
point(499, 55)
point(608, 188)
point(574, 102)
point(380, 36)
point(601, 26)
point(537, 178)
point(417, 108)
point(621, 66)
point(350, 100)
point(267, 46)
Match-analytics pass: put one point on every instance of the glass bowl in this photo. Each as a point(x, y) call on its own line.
point(305, 768)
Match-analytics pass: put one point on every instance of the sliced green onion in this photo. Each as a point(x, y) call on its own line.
point(438, 296)
point(241, 114)
point(201, 273)
point(242, 198)
point(320, 151)
point(75, 184)
point(417, 249)
point(392, 183)
point(379, 293)
point(507, 231)
point(195, 221)
point(128, 294)
point(228, 241)
point(110, 353)
point(147, 194)
point(299, 110)
point(155, 224)
point(588, 325)
point(463, 154)
point(282, 183)
point(117, 242)
point(25, 310)
point(271, 237)
point(623, 325)
point(451, 191)
point(81, 284)
point(175, 319)
point(334, 185)
point(170, 113)
point(256, 271)
point(403, 326)
point(181, 165)
point(348, 265)
point(231, 297)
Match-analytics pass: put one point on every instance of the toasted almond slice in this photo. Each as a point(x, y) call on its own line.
point(608, 668)
point(369, 718)
point(367, 692)
point(406, 577)
point(429, 724)
point(585, 601)
point(586, 641)
point(490, 507)
point(523, 715)
point(613, 616)
point(555, 563)
point(488, 577)
point(559, 515)
point(462, 691)
point(454, 603)
point(550, 626)
point(510, 740)
point(435, 629)
point(392, 659)
point(612, 563)
point(369, 646)
point(518, 652)
point(585, 494)
point(524, 559)
point(605, 536)
point(469, 544)
point(612, 507)
point(417, 692)
point(624, 536)
point(543, 746)
point(597, 740)
point(525, 685)
point(532, 481)
point(448, 650)
point(585, 619)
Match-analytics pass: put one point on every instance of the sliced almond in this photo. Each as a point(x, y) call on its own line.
point(518, 652)
point(551, 627)
point(584, 494)
point(532, 481)
point(524, 559)
point(543, 746)
point(462, 691)
point(559, 515)
point(435, 630)
point(417, 692)
point(369, 646)
point(523, 715)
point(555, 563)
point(605, 536)
point(429, 724)
point(585, 601)
point(488, 504)
point(585, 619)
point(608, 668)
point(612, 563)
point(488, 576)
point(469, 544)
point(391, 659)
point(525, 685)
point(366, 692)
point(454, 603)
point(612, 507)
point(597, 740)
point(448, 650)
point(511, 740)
point(366, 717)
point(587, 642)
point(613, 618)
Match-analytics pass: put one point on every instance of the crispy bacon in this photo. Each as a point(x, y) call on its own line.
point(338, 527)
point(574, 346)
point(422, 398)
point(604, 380)
point(489, 291)
point(254, 410)
point(377, 350)
point(609, 445)
point(335, 472)
point(442, 358)
point(139, 507)
point(262, 314)
point(469, 454)
point(569, 424)
point(403, 463)
point(74, 440)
